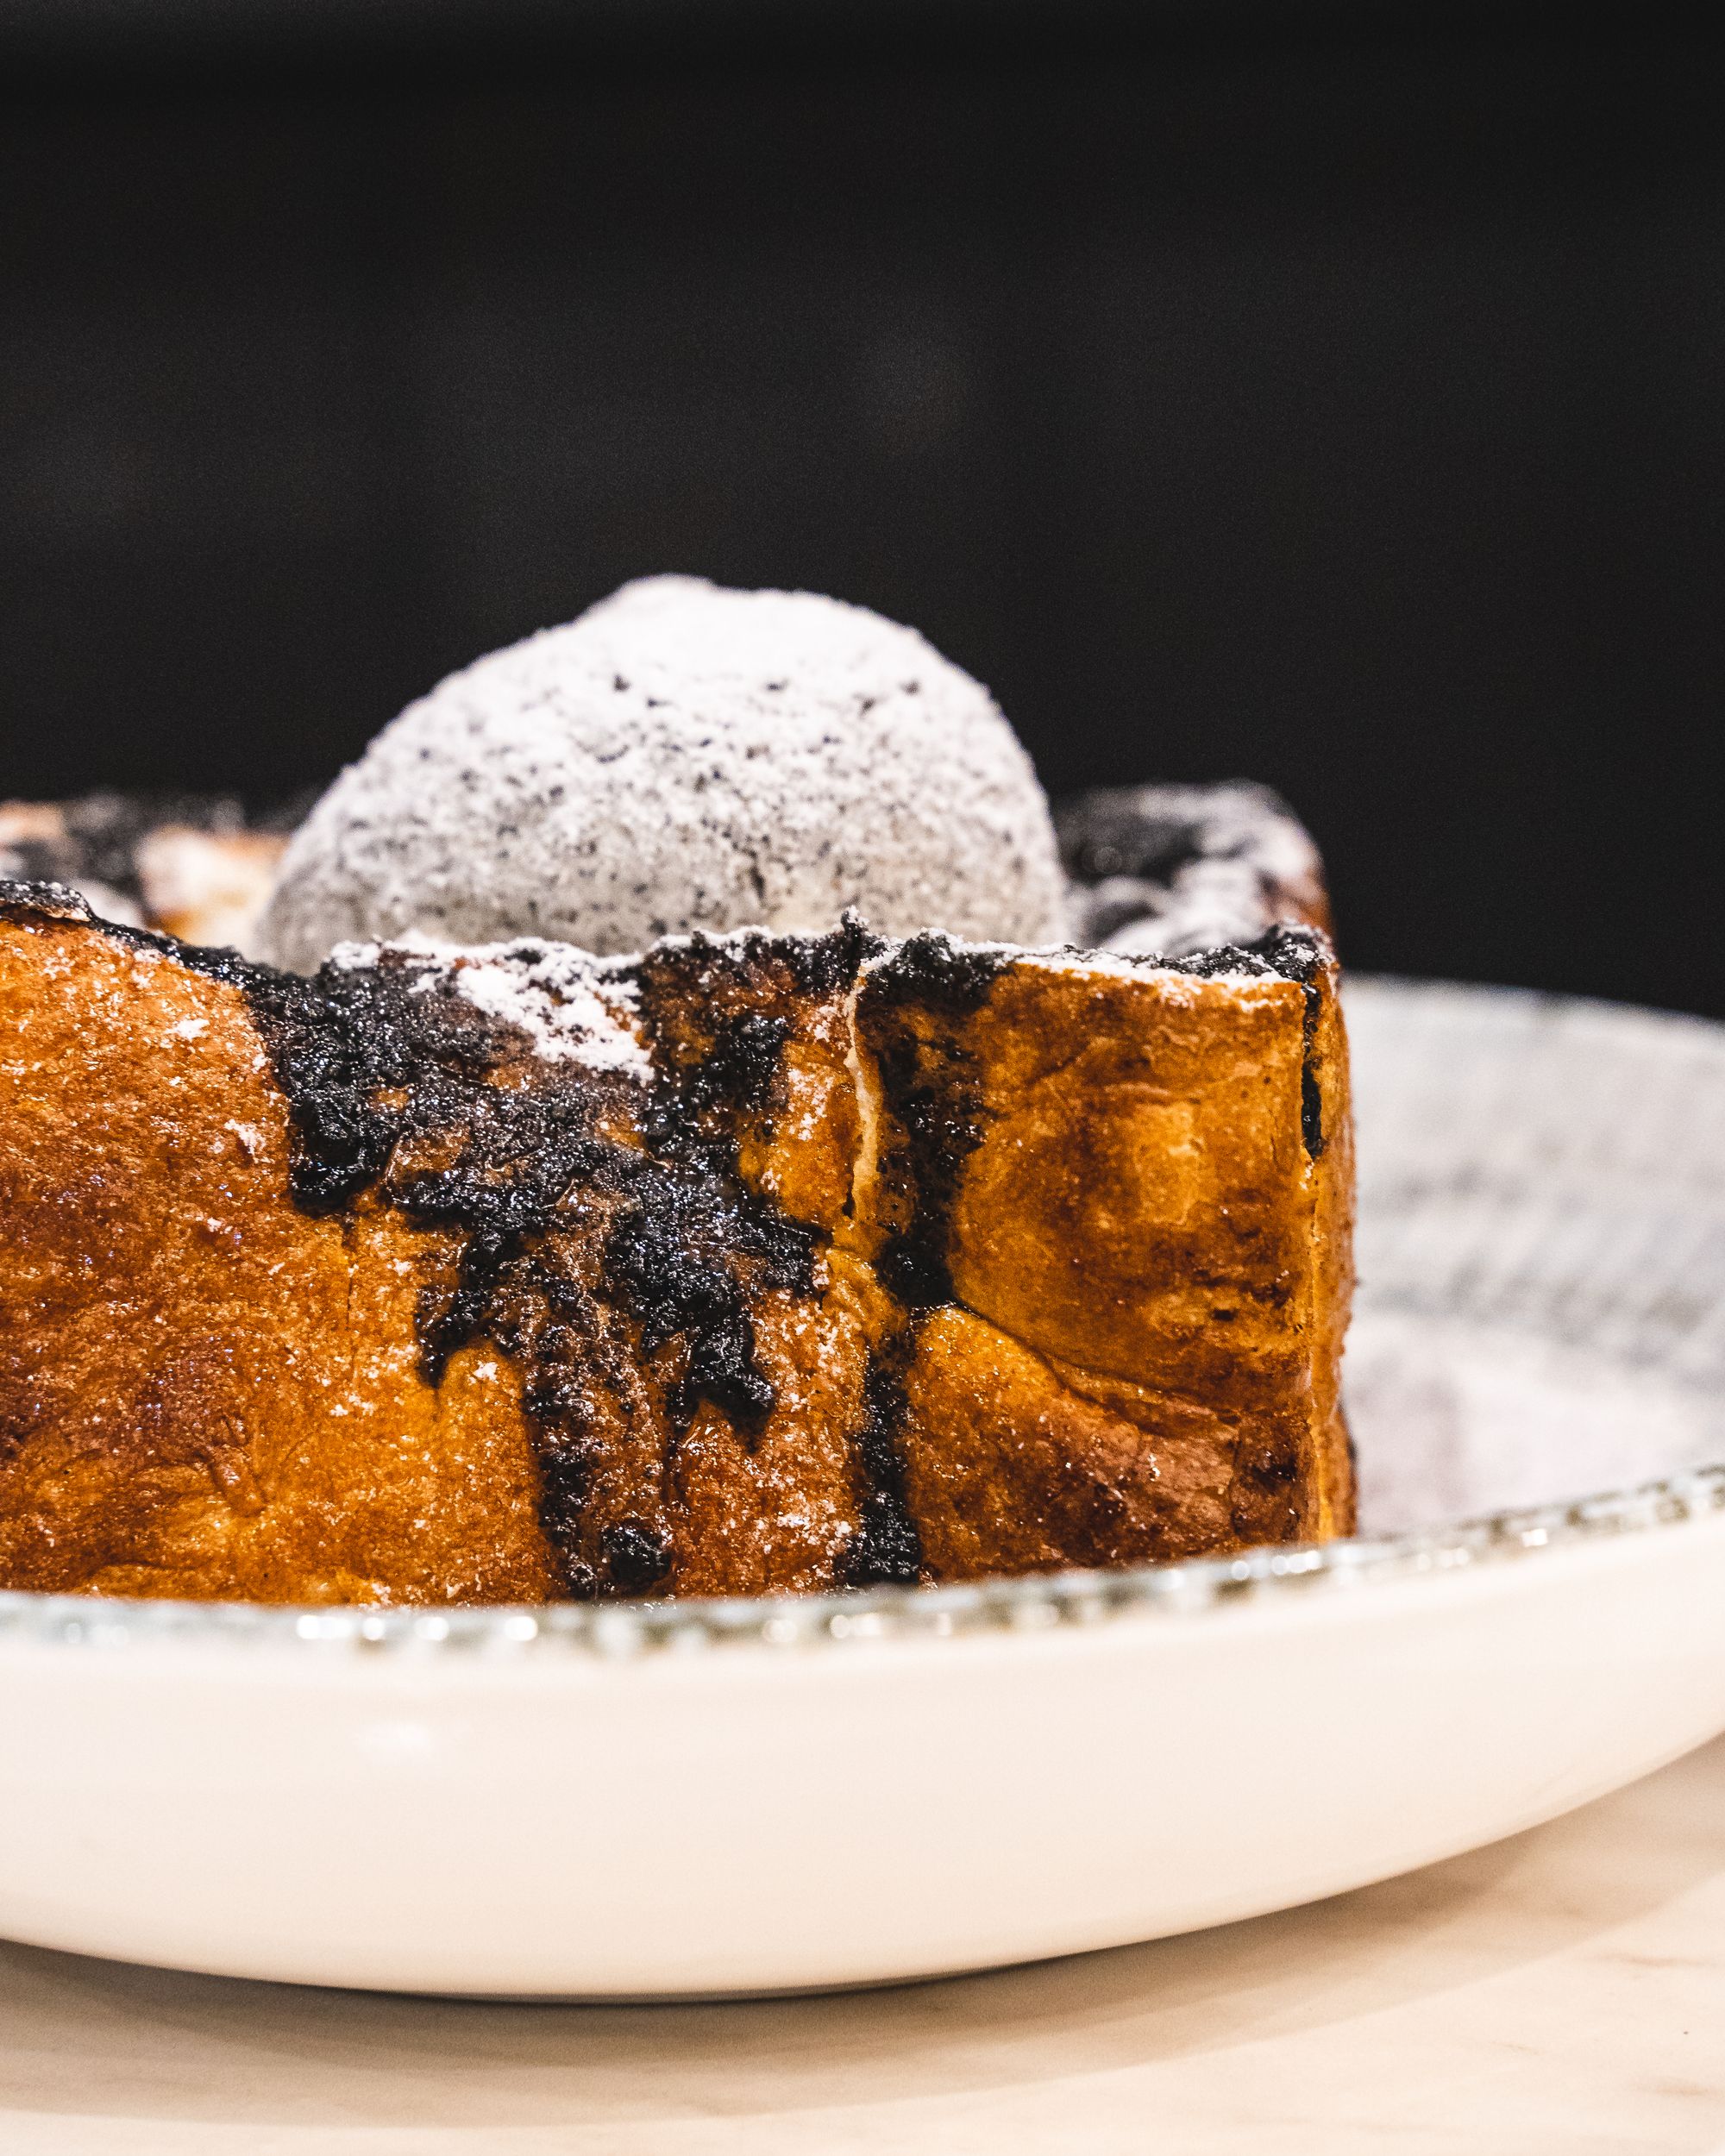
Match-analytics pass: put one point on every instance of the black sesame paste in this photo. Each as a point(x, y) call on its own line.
point(910, 1016)
point(887, 1548)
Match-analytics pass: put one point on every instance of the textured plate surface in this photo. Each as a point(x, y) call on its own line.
point(647, 1802)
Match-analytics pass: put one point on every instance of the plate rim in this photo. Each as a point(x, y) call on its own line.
point(1039, 1603)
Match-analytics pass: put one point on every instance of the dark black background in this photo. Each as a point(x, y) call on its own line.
point(1331, 398)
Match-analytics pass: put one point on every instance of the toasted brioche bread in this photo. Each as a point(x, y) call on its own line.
point(1173, 869)
point(761, 1263)
point(192, 865)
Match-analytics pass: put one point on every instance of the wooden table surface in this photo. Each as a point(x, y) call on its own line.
point(1562, 1992)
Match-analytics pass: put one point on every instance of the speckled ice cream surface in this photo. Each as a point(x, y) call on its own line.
point(682, 757)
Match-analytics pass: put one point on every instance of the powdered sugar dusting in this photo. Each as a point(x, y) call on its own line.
point(1109, 963)
point(555, 997)
point(1210, 903)
point(573, 1007)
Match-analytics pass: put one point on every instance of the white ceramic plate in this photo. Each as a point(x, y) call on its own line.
point(645, 1801)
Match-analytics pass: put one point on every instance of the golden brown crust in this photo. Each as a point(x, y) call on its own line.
point(204, 1392)
point(1014, 1466)
point(1046, 1264)
point(1141, 1213)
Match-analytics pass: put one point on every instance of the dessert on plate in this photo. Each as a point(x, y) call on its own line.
point(662, 1140)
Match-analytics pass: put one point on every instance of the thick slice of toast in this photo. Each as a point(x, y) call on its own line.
point(1178, 868)
point(753, 1264)
point(193, 865)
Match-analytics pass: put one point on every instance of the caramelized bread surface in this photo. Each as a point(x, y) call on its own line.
point(757, 1264)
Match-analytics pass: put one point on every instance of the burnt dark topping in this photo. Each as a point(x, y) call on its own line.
point(1312, 1132)
point(1105, 833)
point(1285, 951)
point(690, 1251)
point(887, 1549)
point(701, 999)
point(669, 1237)
point(823, 965)
point(368, 1066)
point(372, 1067)
point(911, 1015)
point(636, 1557)
point(953, 979)
point(1264, 1497)
point(43, 897)
point(574, 1198)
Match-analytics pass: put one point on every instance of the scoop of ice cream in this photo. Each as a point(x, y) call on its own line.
point(682, 756)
